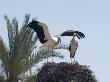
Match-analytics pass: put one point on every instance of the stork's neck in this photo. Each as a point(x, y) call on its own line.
point(55, 39)
point(76, 38)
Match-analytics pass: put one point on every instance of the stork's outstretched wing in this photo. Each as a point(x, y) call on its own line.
point(71, 32)
point(46, 31)
point(41, 29)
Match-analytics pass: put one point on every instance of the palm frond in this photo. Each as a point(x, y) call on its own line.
point(11, 34)
point(61, 46)
point(43, 54)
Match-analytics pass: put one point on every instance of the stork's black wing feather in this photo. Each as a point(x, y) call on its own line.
point(71, 32)
point(38, 29)
point(79, 34)
point(68, 33)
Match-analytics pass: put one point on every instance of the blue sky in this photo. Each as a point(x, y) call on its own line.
point(92, 17)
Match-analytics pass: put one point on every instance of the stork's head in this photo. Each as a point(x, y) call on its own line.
point(74, 35)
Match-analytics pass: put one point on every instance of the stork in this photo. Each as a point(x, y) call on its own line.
point(73, 47)
point(74, 41)
point(43, 34)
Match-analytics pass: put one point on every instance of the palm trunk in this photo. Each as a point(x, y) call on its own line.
point(12, 77)
point(30, 72)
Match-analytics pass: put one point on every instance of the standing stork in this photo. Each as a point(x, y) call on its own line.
point(73, 46)
point(43, 34)
point(74, 41)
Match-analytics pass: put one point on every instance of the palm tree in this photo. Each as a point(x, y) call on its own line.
point(19, 56)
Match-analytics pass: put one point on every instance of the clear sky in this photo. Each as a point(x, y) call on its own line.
point(91, 17)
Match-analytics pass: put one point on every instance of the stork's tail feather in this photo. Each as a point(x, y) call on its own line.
point(72, 55)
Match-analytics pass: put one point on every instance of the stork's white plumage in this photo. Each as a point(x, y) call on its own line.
point(51, 43)
point(73, 46)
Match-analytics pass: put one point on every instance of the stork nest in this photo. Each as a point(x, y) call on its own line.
point(65, 72)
